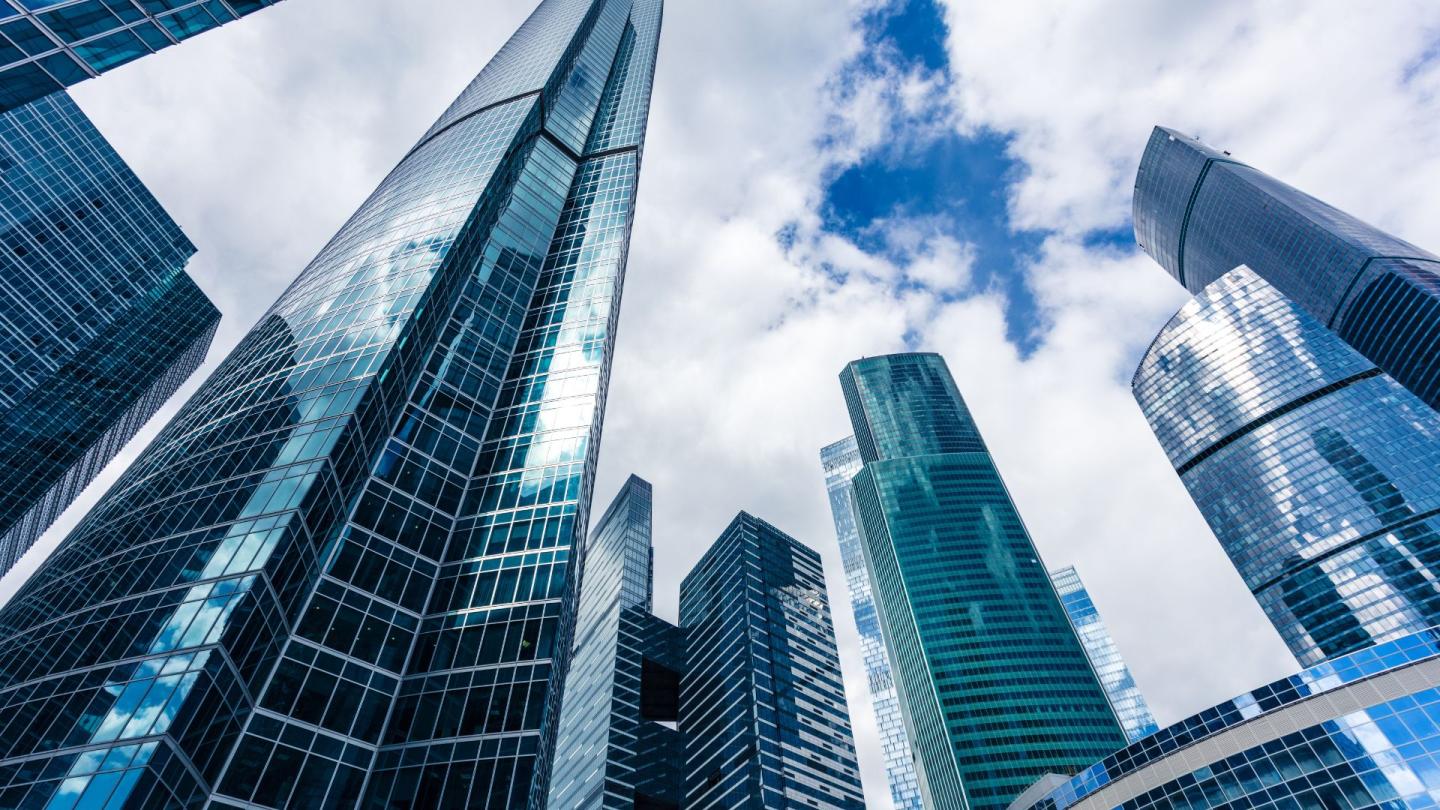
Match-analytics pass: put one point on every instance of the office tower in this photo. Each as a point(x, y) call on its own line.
point(99, 325)
point(840, 462)
point(1125, 697)
point(1354, 732)
point(337, 577)
point(49, 45)
point(1200, 213)
point(1314, 468)
point(762, 704)
point(624, 676)
point(995, 687)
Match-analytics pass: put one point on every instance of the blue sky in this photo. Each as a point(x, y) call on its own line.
point(826, 179)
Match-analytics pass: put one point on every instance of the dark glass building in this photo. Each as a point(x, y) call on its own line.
point(762, 704)
point(1315, 469)
point(338, 577)
point(1356, 732)
point(1200, 213)
point(995, 687)
point(840, 462)
point(99, 322)
point(49, 45)
point(1125, 696)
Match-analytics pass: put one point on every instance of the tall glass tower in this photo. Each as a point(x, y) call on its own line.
point(841, 461)
point(52, 44)
point(99, 324)
point(762, 705)
point(338, 577)
point(994, 685)
point(1314, 468)
point(1125, 696)
point(1200, 213)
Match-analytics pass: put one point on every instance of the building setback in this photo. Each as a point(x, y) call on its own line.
point(995, 687)
point(339, 576)
point(99, 323)
point(1200, 213)
point(1125, 696)
point(48, 45)
point(1313, 467)
point(840, 462)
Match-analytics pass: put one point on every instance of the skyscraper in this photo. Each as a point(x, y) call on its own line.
point(762, 705)
point(1313, 467)
point(995, 687)
point(338, 576)
point(99, 322)
point(1200, 213)
point(1125, 697)
point(841, 461)
point(49, 45)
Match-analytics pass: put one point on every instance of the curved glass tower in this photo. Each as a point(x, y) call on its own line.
point(994, 686)
point(1315, 469)
point(339, 576)
point(1200, 213)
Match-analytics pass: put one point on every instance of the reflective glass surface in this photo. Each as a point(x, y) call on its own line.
point(48, 45)
point(1367, 736)
point(1200, 213)
point(993, 683)
point(841, 461)
point(762, 705)
point(1125, 696)
point(358, 534)
point(99, 323)
point(1314, 469)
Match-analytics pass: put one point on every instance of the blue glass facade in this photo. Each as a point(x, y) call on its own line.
point(1362, 731)
point(1314, 469)
point(993, 683)
point(99, 323)
point(48, 45)
point(338, 577)
point(1125, 696)
point(1200, 213)
point(762, 705)
point(841, 461)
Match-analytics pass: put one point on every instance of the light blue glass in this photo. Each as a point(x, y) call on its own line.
point(841, 461)
point(1314, 469)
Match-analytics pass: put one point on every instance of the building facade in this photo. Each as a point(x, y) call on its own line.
point(338, 577)
point(840, 462)
point(99, 323)
point(762, 703)
point(1200, 213)
point(1125, 696)
point(49, 45)
point(1356, 732)
point(994, 685)
point(1313, 467)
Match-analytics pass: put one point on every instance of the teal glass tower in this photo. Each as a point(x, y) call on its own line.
point(99, 324)
point(48, 45)
point(341, 576)
point(995, 688)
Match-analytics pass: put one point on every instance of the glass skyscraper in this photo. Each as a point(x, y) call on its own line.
point(1200, 213)
point(99, 322)
point(52, 44)
point(1125, 696)
point(994, 685)
point(338, 576)
point(841, 461)
point(1314, 468)
point(762, 704)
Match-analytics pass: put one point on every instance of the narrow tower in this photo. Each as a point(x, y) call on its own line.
point(342, 574)
point(995, 687)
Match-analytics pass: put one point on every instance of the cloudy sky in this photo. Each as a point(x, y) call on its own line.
point(827, 179)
